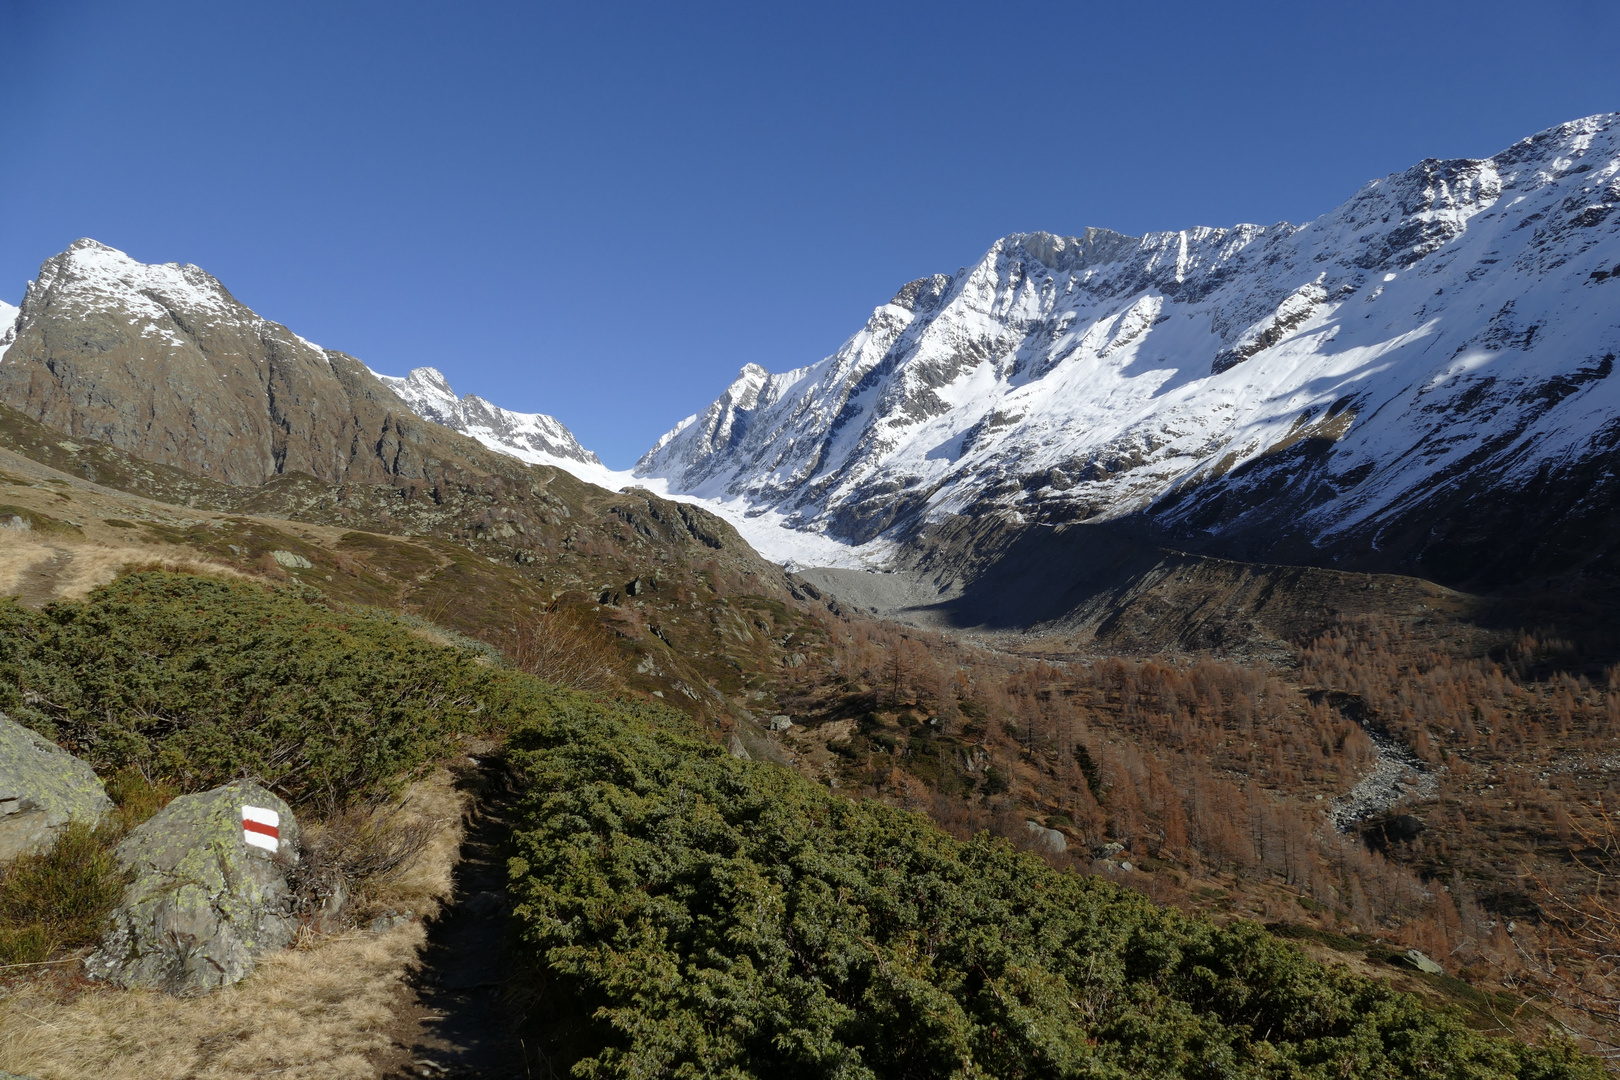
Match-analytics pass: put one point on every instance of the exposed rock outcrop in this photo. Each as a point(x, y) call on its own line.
point(42, 788)
point(209, 896)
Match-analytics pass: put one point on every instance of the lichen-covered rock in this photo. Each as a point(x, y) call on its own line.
point(42, 788)
point(209, 895)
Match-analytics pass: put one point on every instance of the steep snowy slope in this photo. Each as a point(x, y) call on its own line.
point(533, 437)
point(1450, 329)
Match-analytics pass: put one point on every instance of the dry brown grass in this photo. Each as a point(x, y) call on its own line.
point(322, 1011)
point(424, 885)
point(98, 564)
point(21, 556)
point(40, 571)
point(421, 834)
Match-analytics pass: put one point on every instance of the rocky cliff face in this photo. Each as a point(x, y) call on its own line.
point(1382, 383)
point(162, 362)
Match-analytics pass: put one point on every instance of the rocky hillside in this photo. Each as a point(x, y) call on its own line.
point(154, 381)
point(1417, 380)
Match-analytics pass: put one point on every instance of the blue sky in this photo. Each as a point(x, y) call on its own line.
point(602, 211)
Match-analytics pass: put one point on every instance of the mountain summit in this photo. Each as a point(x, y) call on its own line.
point(1388, 384)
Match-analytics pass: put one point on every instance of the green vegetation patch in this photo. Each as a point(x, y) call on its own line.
point(688, 914)
point(200, 680)
point(682, 913)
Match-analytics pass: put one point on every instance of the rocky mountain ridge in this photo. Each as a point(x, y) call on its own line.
point(533, 437)
point(1307, 393)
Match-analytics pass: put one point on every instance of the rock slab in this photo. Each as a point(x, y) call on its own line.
point(205, 902)
point(42, 788)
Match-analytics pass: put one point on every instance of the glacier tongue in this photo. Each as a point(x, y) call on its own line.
point(1455, 321)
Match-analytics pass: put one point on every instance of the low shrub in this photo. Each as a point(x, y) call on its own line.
point(54, 900)
point(196, 681)
point(687, 914)
point(136, 797)
point(355, 849)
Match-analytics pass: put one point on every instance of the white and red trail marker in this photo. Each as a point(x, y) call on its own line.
point(261, 828)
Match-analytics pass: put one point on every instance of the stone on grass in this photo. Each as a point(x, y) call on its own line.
point(205, 903)
point(42, 788)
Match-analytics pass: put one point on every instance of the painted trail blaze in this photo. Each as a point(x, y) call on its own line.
point(261, 828)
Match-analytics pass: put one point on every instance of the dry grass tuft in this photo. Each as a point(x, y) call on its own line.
point(320, 1012)
point(387, 858)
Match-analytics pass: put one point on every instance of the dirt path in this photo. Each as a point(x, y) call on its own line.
point(32, 569)
point(462, 1006)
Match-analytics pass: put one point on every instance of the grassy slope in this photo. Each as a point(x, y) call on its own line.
point(696, 616)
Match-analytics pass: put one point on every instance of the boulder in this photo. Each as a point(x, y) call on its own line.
point(209, 894)
point(1420, 961)
point(1048, 841)
point(42, 788)
point(780, 722)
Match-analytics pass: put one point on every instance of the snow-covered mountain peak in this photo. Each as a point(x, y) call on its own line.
point(104, 275)
point(533, 437)
point(8, 325)
point(427, 392)
point(1437, 312)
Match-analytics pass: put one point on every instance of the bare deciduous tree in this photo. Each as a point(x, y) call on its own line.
point(554, 646)
point(1579, 962)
